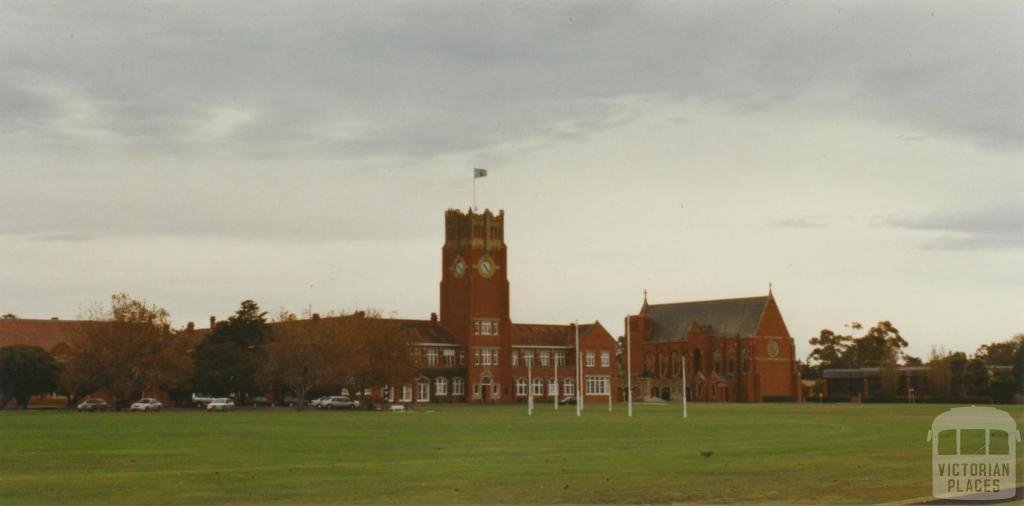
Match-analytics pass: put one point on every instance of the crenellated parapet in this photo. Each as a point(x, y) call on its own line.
point(476, 230)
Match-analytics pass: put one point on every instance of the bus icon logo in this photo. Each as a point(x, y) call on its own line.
point(974, 454)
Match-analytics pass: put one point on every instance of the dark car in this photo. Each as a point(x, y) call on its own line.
point(261, 402)
point(291, 401)
point(93, 405)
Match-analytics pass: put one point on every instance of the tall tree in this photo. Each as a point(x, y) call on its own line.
point(830, 350)
point(26, 371)
point(298, 356)
point(957, 369)
point(976, 378)
point(228, 359)
point(127, 350)
point(1000, 352)
point(875, 345)
point(940, 376)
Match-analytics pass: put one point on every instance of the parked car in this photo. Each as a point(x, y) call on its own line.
point(338, 402)
point(315, 403)
point(568, 400)
point(147, 404)
point(220, 404)
point(93, 405)
point(291, 401)
point(201, 400)
point(261, 402)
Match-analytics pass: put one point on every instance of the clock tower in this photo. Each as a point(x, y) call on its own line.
point(475, 299)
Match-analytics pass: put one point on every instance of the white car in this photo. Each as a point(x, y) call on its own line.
point(220, 404)
point(147, 404)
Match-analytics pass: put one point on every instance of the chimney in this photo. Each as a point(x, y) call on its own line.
point(213, 322)
point(316, 317)
point(433, 317)
point(191, 326)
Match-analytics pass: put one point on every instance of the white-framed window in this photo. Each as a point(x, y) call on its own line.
point(552, 387)
point(569, 388)
point(515, 358)
point(476, 357)
point(494, 356)
point(431, 357)
point(462, 357)
point(485, 327)
point(368, 392)
point(521, 387)
point(423, 390)
point(590, 359)
point(449, 358)
point(538, 386)
point(545, 358)
point(387, 394)
point(597, 385)
point(528, 357)
point(441, 386)
point(486, 356)
point(406, 393)
point(560, 358)
point(458, 386)
point(606, 359)
point(495, 391)
point(476, 390)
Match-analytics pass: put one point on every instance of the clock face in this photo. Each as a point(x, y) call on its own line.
point(459, 268)
point(486, 267)
point(773, 349)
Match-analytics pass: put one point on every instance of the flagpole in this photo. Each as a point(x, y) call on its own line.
point(579, 372)
point(629, 372)
point(684, 386)
point(529, 386)
point(556, 381)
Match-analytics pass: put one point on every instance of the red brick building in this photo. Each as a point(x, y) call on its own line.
point(734, 350)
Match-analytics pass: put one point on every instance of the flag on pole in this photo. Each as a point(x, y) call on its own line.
point(479, 173)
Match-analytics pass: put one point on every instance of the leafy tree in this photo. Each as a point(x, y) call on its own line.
point(299, 356)
point(976, 378)
point(830, 350)
point(940, 376)
point(875, 345)
point(9, 316)
point(957, 367)
point(1018, 369)
point(228, 359)
point(127, 350)
point(26, 371)
point(1001, 352)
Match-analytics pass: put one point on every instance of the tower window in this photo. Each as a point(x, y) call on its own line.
point(485, 327)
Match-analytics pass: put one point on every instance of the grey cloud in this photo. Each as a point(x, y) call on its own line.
point(426, 79)
point(999, 225)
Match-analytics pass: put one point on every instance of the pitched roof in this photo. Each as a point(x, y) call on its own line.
point(46, 334)
point(537, 334)
point(720, 318)
point(419, 331)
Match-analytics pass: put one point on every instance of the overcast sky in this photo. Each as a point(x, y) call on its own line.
point(865, 158)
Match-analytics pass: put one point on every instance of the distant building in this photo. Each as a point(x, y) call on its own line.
point(734, 350)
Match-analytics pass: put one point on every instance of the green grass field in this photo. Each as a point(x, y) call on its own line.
point(777, 453)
